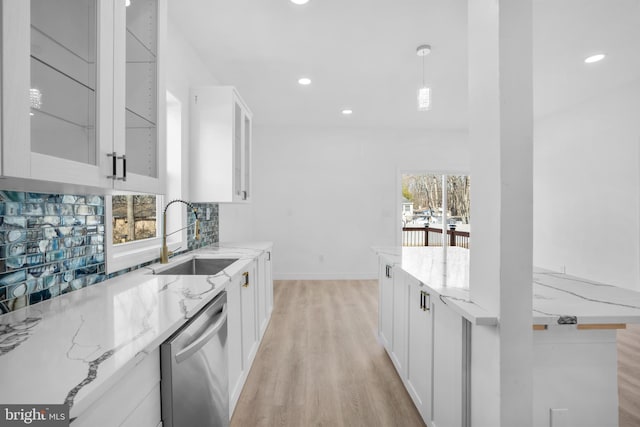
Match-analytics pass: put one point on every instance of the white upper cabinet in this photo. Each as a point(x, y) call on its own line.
point(220, 146)
point(64, 94)
point(139, 101)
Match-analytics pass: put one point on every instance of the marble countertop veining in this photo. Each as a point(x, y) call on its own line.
point(74, 347)
point(558, 295)
point(557, 298)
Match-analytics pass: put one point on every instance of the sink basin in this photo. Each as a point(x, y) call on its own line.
point(199, 267)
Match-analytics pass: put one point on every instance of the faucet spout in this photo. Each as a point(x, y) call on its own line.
point(164, 252)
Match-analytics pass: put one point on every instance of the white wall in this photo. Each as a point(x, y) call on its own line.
point(325, 196)
point(236, 222)
point(586, 189)
point(185, 69)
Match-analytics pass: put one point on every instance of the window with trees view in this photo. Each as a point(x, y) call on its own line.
point(134, 217)
point(425, 192)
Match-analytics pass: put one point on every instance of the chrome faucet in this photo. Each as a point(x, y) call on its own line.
point(164, 252)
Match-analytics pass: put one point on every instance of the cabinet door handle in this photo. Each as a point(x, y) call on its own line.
point(114, 159)
point(424, 301)
point(269, 256)
point(124, 167)
point(114, 167)
point(246, 279)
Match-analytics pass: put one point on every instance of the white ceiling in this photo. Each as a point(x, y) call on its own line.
point(566, 32)
point(361, 54)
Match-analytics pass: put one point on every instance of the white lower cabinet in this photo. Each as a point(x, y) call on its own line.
point(393, 314)
point(144, 414)
point(449, 398)
point(134, 400)
point(419, 347)
point(234, 341)
point(241, 323)
point(425, 341)
point(269, 280)
point(248, 303)
point(385, 307)
point(249, 300)
point(264, 292)
point(400, 318)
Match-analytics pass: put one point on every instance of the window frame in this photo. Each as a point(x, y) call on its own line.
point(129, 254)
point(399, 174)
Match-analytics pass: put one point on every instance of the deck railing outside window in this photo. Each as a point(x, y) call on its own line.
point(429, 236)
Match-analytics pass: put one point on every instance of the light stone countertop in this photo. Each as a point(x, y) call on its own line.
point(74, 347)
point(557, 297)
point(590, 302)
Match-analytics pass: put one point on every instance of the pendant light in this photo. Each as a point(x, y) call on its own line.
point(35, 99)
point(424, 92)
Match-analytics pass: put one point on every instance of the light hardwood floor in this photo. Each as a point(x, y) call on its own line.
point(629, 376)
point(320, 364)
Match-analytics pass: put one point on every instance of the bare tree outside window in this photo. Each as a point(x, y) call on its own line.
point(424, 191)
point(134, 217)
point(459, 199)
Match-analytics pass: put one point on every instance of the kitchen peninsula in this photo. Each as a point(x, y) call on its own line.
point(427, 318)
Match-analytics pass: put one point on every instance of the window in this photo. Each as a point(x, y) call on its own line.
point(134, 217)
point(434, 196)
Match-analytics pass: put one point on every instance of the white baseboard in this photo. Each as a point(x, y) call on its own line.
point(325, 276)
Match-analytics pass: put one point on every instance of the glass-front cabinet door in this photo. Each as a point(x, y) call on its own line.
point(62, 93)
point(139, 126)
point(80, 101)
point(246, 156)
point(241, 151)
point(50, 114)
point(238, 163)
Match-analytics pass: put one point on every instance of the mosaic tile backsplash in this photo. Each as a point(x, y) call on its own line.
point(52, 244)
point(208, 227)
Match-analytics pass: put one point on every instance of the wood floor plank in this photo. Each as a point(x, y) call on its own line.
point(320, 363)
point(629, 376)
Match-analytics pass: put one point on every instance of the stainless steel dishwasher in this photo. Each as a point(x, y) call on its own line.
point(194, 370)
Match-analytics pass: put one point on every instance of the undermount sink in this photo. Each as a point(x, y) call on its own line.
point(199, 267)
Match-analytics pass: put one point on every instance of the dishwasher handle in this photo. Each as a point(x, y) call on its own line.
point(186, 352)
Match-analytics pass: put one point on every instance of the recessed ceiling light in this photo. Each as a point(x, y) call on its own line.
point(594, 58)
point(304, 81)
point(347, 112)
point(299, 1)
